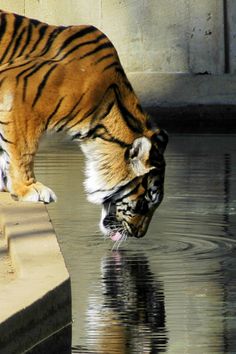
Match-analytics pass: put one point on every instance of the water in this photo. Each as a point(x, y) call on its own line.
point(174, 291)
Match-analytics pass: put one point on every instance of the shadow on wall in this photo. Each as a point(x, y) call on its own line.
point(175, 59)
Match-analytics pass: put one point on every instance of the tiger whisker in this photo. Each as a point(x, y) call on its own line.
point(115, 246)
point(122, 240)
point(118, 243)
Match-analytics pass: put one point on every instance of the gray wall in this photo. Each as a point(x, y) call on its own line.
point(175, 52)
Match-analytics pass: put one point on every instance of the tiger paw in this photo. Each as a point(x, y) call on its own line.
point(37, 192)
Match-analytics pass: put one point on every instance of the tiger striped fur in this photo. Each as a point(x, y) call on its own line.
point(70, 79)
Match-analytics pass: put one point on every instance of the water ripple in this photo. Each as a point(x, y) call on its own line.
point(172, 291)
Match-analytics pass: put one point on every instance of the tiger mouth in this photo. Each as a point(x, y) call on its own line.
point(117, 236)
point(125, 231)
point(116, 230)
point(112, 228)
point(120, 230)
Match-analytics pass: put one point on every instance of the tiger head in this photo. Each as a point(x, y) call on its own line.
point(128, 182)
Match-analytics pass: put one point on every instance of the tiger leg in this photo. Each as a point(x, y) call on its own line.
point(18, 176)
point(21, 181)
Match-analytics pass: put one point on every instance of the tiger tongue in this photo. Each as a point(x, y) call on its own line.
point(116, 236)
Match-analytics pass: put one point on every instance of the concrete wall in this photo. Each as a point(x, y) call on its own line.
point(165, 38)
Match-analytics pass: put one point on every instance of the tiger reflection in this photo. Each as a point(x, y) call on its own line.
point(131, 317)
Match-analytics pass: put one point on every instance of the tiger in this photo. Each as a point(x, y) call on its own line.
point(70, 79)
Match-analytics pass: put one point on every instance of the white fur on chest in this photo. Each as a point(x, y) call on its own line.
point(95, 183)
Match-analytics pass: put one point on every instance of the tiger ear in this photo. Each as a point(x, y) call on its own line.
point(138, 155)
point(160, 136)
point(160, 140)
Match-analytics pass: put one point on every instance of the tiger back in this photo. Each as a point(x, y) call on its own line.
point(69, 79)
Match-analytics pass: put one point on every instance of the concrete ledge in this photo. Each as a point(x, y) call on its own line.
point(36, 303)
point(184, 103)
point(176, 89)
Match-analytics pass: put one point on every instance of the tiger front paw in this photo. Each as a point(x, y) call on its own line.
point(37, 192)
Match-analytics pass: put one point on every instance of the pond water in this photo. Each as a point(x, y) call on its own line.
point(173, 291)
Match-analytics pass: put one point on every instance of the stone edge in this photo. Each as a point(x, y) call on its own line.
point(184, 103)
point(37, 304)
point(182, 89)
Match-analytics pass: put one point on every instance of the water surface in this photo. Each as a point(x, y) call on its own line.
point(174, 291)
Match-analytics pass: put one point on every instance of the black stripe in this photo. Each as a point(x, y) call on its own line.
point(120, 70)
point(5, 140)
point(3, 150)
point(134, 124)
point(27, 41)
point(115, 197)
point(2, 81)
point(96, 117)
point(139, 108)
point(4, 123)
point(108, 110)
point(41, 36)
point(70, 116)
point(53, 113)
point(17, 23)
point(51, 39)
point(114, 141)
point(106, 199)
point(76, 136)
point(42, 84)
point(25, 79)
point(103, 115)
point(3, 25)
point(115, 63)
point(128, 85)
point(77, 35)
point(17, 44)
point(35, 69)
point(16, 67)
point(34, 22)
point(103, 58)
point(129, 193)
point(81, 45)
point(23, 71)
point(98, 49)
point(103, 134)
point(93, 109)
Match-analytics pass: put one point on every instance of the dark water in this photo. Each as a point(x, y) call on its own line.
point(174, 291)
